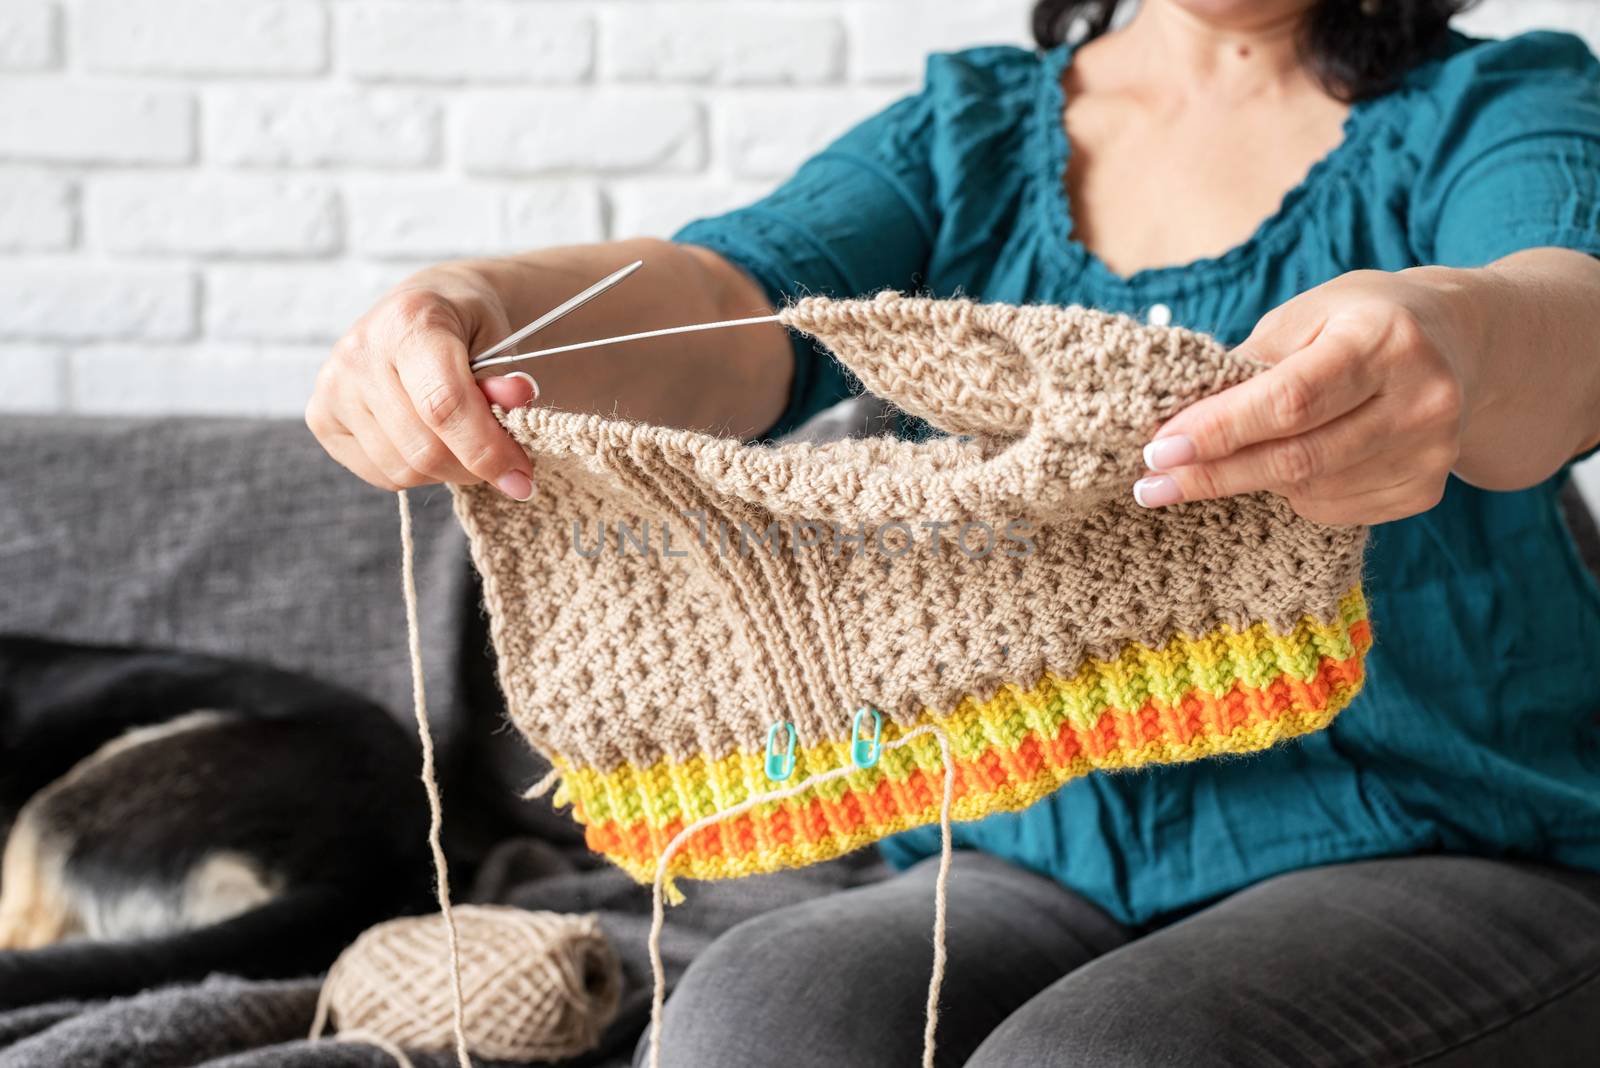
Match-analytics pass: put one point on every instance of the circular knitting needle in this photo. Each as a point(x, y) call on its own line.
point(483, 359)
point(480, 364)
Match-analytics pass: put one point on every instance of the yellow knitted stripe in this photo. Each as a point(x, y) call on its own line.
point(741, 853)
point(1224, 692)
point(1212, 665)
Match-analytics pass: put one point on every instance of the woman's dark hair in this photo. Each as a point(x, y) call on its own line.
point(1356, 48)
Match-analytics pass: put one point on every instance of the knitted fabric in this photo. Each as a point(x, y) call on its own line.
point(795, 584)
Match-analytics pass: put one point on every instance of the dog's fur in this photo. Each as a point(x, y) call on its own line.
point(172, 815)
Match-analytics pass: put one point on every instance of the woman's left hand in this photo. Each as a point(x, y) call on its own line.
point(1360, 417)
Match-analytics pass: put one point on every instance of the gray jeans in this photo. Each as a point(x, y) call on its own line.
point(1452, 962)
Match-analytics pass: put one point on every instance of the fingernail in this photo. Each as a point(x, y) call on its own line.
point(516, 485)
point(1157, 492)
point(532, 383)
point(1163, 454)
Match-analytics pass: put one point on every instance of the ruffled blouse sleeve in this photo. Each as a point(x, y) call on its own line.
point(1509, 134)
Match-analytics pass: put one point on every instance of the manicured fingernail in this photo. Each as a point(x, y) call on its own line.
point(500, 381)
point(1157, 492)
point(516, 485)
point(532, 383)
point(1163, 454)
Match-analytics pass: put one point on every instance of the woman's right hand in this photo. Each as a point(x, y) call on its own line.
point(396, 403)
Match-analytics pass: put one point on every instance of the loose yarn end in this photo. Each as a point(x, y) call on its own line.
point(430, 784)
point(664, 888)
point(430, 780)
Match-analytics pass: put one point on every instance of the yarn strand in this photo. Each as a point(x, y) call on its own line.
point(551, 780)
point(940, 904)
point(658, 999)
point(430, 782)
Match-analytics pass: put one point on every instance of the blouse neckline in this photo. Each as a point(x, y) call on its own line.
point(1052, 150)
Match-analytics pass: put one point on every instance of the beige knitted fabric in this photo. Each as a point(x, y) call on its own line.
point(747, 601)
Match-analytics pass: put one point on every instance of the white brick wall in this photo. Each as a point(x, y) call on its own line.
point(209, 215)
point(455, 42)
point(28, 35)
point(196, 196)
point(76, 299)
point(196, 38)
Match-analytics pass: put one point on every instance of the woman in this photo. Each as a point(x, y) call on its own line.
point(1415, 884)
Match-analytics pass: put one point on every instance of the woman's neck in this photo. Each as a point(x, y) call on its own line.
point(1227, 58)
point(1200, 123)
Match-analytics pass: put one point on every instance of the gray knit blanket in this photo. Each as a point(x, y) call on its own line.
point(226, 1022)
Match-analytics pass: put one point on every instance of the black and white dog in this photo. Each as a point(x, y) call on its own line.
point(172, 815)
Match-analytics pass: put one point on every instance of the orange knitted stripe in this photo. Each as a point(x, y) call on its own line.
point(1000, 779)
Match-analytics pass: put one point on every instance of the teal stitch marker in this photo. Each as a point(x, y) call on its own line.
point(865, 751)
point(780, 763)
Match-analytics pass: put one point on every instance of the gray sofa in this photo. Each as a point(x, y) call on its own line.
point(241, 538)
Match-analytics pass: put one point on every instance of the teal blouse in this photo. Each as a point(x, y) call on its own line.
point(1479, 727)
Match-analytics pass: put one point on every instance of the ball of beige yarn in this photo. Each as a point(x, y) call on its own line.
point(537, 985)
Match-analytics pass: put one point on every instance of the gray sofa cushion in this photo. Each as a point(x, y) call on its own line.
point(1585, 532)
point(226, 536)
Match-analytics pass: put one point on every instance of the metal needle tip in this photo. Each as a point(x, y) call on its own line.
point(482, 359)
